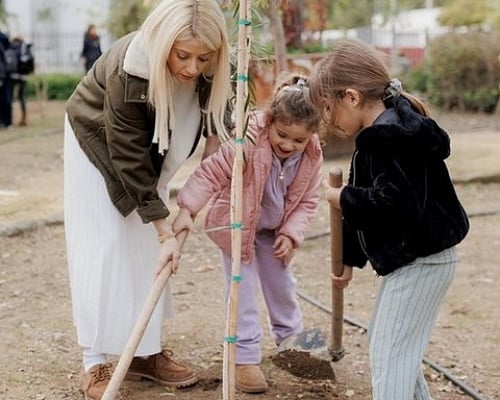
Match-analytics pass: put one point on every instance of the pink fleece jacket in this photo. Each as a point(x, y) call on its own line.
point(210, 185)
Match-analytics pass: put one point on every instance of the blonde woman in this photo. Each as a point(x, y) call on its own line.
point(131, 123)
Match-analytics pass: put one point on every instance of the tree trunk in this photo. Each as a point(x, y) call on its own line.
point(280, 50)
point(293, 23)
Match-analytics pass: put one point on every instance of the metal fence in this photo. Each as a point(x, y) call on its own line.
point(55, 52)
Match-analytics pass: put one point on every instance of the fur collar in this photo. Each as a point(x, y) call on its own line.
point(136, 61)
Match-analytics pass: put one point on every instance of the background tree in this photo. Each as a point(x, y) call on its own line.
point(477, 13)
point(293, 22)
point(127, 15)
point(271, 9)
point(316, 16)
point(463, 72)
point(347, 14)
point(3, 14)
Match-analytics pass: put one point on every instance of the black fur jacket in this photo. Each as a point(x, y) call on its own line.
point(400, 203)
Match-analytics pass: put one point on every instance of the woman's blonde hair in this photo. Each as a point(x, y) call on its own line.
point(356, 65)
point(178, 20)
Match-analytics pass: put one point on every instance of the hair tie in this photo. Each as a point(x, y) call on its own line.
point(301, 83)
point(297, 86)
point(393, 90)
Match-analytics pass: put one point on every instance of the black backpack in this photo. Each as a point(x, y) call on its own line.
point(26, 61)
point(11, 57)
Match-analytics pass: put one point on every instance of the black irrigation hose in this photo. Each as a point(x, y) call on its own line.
point(446, 373)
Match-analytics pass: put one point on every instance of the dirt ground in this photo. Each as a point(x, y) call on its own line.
point(39, 359)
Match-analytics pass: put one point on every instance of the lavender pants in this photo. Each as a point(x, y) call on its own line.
point(279, 288)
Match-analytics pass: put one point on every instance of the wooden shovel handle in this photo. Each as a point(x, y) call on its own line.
point(337, 267)
point(140, 327)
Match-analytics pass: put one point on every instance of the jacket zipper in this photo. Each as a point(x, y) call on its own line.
point(281, 180)
point(281, 177)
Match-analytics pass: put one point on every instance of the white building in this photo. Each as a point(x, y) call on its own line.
point(412, 28)
point(56, 29)
point(407, 33)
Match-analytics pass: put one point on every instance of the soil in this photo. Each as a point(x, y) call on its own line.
point(39, 359)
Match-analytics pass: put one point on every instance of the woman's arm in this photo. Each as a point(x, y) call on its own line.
point(128, 127)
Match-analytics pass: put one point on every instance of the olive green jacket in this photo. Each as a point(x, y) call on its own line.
point(114, 125)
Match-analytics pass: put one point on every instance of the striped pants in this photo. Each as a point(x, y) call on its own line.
point(403, 317)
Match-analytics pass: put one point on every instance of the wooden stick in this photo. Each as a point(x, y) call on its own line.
point(244, 45)
point(337, 267)
point(140, 327)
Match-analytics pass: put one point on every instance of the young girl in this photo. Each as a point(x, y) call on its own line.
point(281, 180)
point(399, 208)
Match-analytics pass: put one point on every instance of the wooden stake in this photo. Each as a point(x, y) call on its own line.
point(244, 44)
point(337, 267)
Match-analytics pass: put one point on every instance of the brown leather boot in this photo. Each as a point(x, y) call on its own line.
point(95, 381)
point(250, 379)
point(162, 369)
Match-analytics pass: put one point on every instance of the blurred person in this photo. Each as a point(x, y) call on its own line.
point(25, 66)
point(91, 49)
point(5, 82)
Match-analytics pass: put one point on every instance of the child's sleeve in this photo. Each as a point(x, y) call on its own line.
point(209, 178)
point(392, 196)
point(352, 253)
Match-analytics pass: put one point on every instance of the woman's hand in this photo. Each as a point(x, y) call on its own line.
point(343, 280)
point(283, 248)
point(169, 251)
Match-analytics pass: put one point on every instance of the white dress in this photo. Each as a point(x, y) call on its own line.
point(112, 259)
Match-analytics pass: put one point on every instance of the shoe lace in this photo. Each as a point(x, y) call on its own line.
point(103, 373)
point(167, 353)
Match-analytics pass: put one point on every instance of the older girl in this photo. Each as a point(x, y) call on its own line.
point(399, 208)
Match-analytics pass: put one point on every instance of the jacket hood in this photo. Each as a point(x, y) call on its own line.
point(136, 60)
point(401, 129)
